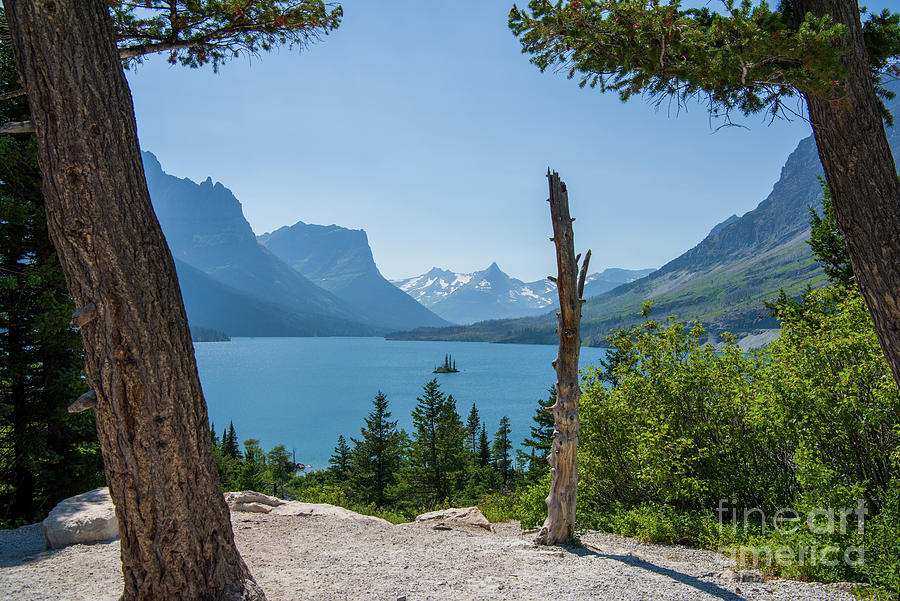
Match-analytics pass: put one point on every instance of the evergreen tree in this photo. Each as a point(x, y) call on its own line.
point(377, 455)
point(46, 453)
point(500, 451)
point(214, 436)
point(826, 242)
point(437, 454)
point(484, 448)
point(340, 459)
point(230, 443)
point(473, 424)
point(539, 442)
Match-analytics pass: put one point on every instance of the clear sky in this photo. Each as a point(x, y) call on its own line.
point(422, 123)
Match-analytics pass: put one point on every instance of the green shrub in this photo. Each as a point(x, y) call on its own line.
point(883, 543)
point(530, 506)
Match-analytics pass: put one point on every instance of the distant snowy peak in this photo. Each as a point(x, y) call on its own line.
point(492, 294)
point(430, 287)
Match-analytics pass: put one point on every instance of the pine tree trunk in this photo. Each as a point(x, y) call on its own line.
point(177, 541)
point(862, 176)
point(559, 526)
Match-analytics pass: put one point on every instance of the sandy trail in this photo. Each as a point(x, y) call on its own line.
point(329, 558)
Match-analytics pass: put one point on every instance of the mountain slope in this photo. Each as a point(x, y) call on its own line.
point(492, 294)
point(212, 304)
point(340, 261)
point(613, 277)
point(723, 281)
point(205, 228)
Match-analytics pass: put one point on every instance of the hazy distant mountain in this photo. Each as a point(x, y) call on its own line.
point(212, 304)
point(723, 281)
point(613, 277)
point(491, 294)
point(205, 228)
point(340, 261)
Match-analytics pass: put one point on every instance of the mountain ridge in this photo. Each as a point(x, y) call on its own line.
point(340, 261)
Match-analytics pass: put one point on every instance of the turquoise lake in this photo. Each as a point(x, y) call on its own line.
point(304, 392)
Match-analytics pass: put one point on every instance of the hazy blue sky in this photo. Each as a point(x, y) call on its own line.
point(422, 123)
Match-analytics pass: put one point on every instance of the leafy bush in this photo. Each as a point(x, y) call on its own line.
point(530, 505)
point(883, 543)
point(671, 426)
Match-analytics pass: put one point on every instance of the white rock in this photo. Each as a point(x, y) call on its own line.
point(251, 496)
point(250, 507)
point(456, 516)
point(324, 509)
point(82, 519)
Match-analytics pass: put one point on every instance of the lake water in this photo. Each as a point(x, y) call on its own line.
point(304, 392)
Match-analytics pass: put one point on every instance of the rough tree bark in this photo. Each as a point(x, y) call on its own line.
point(177, 541)
point(862, 176)
point(559, 527)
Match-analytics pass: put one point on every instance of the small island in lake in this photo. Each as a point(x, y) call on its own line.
point(449, 366)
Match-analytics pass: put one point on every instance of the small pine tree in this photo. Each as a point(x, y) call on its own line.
point(377, 455)
point(484, 448)
point(340, 459)
point(437, 454)
point(230, 443)
point(539, 442)
point(827, 244)
point(473, 424)
point(500, 451)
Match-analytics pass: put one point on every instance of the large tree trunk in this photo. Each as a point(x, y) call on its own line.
point(177, 541)
point(559, 527)
point(862, 176)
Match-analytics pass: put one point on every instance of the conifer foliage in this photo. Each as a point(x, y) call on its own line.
point(46, 454)
point(540, 440)
point(377, 455)
point(195, 33)
point(502, 449)
point(437, 456)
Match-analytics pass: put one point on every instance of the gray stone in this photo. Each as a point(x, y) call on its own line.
point(251, 496)
point(464, 516)
point(82, 519)
point(250, 507)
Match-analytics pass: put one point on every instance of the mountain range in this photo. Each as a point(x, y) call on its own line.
point(724, 281)
point(231, 282)
point(466, 298)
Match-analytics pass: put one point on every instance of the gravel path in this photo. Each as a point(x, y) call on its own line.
point(334, 558)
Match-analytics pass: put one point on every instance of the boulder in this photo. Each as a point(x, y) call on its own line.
point(466, 517)
point(251, 496)
point(82, 519)
point(251, 501)
point(299, 508)
point(251, 507)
